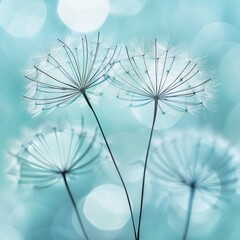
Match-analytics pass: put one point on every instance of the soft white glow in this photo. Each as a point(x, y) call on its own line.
point(106, 207)
point(126, 7)
point(82, 15)
point(22, 18)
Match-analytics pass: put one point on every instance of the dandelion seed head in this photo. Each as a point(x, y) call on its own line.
point(202, 162)
point(162, 74)
point(72, 67)
point(55, 151)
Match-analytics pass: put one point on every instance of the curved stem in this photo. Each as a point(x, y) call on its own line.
point(74, 205)
point(114, 162)
point(189, 212)
point(145, 168)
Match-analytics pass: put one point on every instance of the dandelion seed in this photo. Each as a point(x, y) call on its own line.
point(72, 70)
point(68, 71)
point(200, 168)
point(56, 155)
point(166, 78)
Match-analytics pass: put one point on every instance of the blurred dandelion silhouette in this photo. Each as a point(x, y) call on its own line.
point(168, 79)
point(199, 169)
point(67, 72)
point(58, 154)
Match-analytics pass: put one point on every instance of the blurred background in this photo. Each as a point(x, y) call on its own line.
point(208, 29)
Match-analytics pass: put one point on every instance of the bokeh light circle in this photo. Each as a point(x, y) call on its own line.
point(232, 129)
point(219, 51)
point(213, 34)
point(106, 207)
point(22, 18)
point(200, 14)
point(229, 74)
point(126, 7)
point(83, 16)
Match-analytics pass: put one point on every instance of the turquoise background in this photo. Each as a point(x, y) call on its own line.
point(208, 29)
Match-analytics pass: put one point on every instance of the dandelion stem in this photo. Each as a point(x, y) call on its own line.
point(114, 162)
point(189, 212)
point(74, 205)
point(145, 168)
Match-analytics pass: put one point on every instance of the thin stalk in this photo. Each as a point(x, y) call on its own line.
point(189, 212)
point(114, 162)
point(74, 205)
point(145, 168)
